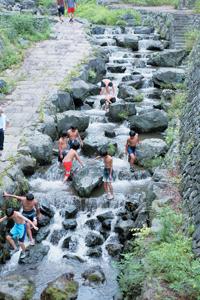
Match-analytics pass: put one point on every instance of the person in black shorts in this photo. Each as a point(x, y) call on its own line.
point(61, 9)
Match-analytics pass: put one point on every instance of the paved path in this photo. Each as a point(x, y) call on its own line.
point(45, 66)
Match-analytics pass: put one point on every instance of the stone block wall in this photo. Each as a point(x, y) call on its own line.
point(190, 147)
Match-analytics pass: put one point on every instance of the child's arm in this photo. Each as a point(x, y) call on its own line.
point(19, 198)
point(29, 221)
point(3, 219)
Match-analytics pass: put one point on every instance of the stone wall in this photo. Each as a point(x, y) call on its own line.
point(190, 147)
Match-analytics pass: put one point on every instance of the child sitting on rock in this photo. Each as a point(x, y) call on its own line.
point(71, 155)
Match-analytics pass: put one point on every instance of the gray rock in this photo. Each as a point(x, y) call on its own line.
point(64, 286)
point(94, 275)
point(116, 69)
point(143, 30)
point(63, 101)
point(149, 149)
point(149, 121)
point(97, 68)
point(135, 81)
point(42, 234)
point(127, 93)
point(134, 201)
point(168, 58)
point(98, 30)
point(56, 236)
point(114, 249)
point(41, 147)
point(137, 175)
point(44, 221)
point(123, 229)
point(46, 208)
point(94, 252)
point(81, 90)
point(104, 216)
point(69, 224)
point(34, 255)
point(72, 118)
point(27, 164)
point(167, 95)
point(87, 179)
point(127, 41)
point(93, 224)
point(70, 211)
point(66, 242)
point(93, 239)
point(48, 127)
point(94, 143)
point(153, 45)
point(110, 133)
point(16, 287)
point(169, 78)
point(119, 111)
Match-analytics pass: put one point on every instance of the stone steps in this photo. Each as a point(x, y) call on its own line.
point(182, 23)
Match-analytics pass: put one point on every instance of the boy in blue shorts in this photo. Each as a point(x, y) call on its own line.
point(18, 231)
point(130, 148)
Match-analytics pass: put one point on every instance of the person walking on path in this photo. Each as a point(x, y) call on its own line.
point(130, 148)
point(3, 125)
point(31, 211)
point(71, 6)
point(18, 231)
point(61, 9)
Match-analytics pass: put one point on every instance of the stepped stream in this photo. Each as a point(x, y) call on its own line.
point(47, 184)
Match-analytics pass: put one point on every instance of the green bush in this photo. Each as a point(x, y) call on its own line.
point(15, 27)
point(197, 7)
point(166, 256)
point(101, 15)
point(191, 38)
point(154, 2)
point(177, 105)
point(46, 3)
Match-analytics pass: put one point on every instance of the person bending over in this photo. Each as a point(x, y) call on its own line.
point(68, 160)
point(18, 231)
point(74, 135)
point(107, 88)
point(31, 210)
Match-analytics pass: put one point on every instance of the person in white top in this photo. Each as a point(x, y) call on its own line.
point(3, 125)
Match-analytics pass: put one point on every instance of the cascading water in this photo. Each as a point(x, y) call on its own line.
point(48, 186)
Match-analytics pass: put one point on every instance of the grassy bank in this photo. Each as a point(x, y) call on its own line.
point(16, 33)
point(98, 14)
point(173, 3)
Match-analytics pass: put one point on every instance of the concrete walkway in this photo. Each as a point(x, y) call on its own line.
point(45, 66)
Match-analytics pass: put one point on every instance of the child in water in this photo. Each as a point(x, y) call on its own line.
point(130, 148)
point(71, 155)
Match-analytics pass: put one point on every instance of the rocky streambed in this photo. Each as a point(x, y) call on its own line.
point(82, 233)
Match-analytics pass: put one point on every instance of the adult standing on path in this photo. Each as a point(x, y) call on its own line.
point(71, 6)
point(61, 9)
point(3, 125)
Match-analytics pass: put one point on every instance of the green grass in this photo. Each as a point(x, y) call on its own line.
point(197, 7)
point(177, 105)
point(165, 256)
point(153, 2)
point(191, 38)
point(97, 14)
point(15, 28)
point(46, 3)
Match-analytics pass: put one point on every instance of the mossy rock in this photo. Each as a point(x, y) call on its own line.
point(62, 288)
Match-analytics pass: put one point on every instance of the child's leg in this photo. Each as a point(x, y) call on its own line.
point(105, 187)
point(11, 242)
point(132, 159)
point(110, 187)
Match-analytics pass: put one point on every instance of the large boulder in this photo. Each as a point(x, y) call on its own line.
point(93, 239)
point(153, 45)
point(41, 147)
point(153, 120)
point(120, 111)
point(169, 78)
point(135, 81)
point(149, 149)
point(42, 234)
point(27, 164)
point(81, 90)
point(95, 70)
point(167, 58)
point(87, 179)
point(34, 255)
point(143, 30)
point(48, 127)
point(123, 228)
point(127, 41)
point(116, 69)
point(94, 143)
point(16, 287)
point(98, 30)
point(72, 118)
point(63, 101)
point(63, 288)
point(127, 93)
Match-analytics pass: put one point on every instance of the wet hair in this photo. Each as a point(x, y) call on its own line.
point(73, 127)
point(75, 145)
point(9, 212)
point(132, 133)
point(110, 84)
point(103, 152)
point(30, 197)
point(64, 134)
